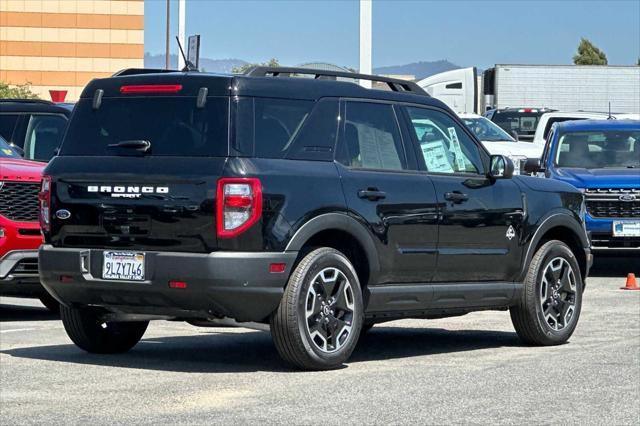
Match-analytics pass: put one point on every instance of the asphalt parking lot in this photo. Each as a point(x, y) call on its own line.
point(470, 369)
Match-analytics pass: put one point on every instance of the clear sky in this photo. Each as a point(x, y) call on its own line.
point(467, 33)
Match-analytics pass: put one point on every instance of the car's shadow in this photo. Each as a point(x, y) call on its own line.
point(10, 312)
point(614, 265)
point(215, 352)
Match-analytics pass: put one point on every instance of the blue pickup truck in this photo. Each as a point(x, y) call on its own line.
point(602, 159)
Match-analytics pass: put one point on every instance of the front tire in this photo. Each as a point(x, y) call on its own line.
point(551, 301)
point(89, 332)
point(318, 321)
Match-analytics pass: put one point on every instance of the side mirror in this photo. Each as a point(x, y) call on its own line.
point(514, 134)
point(501, 167)
point(533, 165)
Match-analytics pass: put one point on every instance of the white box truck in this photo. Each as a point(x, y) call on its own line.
point(560, 87)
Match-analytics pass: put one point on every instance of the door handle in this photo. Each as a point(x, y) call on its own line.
point(456, 197)
point(372, 194)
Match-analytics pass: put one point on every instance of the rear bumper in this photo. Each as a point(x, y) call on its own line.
point(222, 284)
point(19, 274)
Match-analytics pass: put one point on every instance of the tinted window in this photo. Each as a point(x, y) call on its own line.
point(317, 138)
point(372, 138)
point(454, 86)
point(7, 124)
point(445, 147)
point(276, 124)
point(44, 134)
point(173, 125)
point(520, 122)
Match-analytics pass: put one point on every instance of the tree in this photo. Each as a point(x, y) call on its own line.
point(20, 91)
point(589, 54)
point(273, 62)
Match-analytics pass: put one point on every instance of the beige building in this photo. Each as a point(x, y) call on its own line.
point(63, 44)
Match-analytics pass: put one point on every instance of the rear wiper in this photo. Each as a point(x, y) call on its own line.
point(137, 144)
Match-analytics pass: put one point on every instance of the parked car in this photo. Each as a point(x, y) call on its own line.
point(497, 141)
point(602, 159)
point(20, 234)
point(549, 118)
point(520, 122)
point(33, 126)
point(314, 205)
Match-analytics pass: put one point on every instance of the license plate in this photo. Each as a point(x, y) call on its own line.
point(123, 265)
point(626, 228)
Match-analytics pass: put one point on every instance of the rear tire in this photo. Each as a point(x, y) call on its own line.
point(549, 308)
point(318, 321)
point(90, 333)
point(50, 303)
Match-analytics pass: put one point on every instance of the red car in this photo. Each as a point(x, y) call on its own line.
point(20, 234)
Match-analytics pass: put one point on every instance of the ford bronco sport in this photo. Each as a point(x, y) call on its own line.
point(311, 204)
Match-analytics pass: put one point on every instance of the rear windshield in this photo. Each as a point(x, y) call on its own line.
point(173, 126)
point(520, 122)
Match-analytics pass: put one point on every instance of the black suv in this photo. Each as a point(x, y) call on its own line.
point(33, 127)
point(314, 205)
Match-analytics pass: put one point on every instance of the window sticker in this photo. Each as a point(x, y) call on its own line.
point(456, 149)
point(436, 156)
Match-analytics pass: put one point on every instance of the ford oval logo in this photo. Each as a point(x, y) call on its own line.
point(627, 197)
point(63, 214)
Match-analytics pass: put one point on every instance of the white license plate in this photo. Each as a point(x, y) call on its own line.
point(626, 228)
point(123, 265)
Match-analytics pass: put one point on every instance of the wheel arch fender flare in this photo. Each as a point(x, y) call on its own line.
point(551, 220)
point(341, 222)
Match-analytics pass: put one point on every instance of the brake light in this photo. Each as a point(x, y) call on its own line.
point(44, 198)
point(150, 88)
point(238, 205)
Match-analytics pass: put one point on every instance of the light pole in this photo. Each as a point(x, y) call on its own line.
point(181, 30)
point(365, 41)
point(167, 50)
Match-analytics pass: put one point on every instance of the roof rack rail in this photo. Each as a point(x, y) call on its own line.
point(135, 71)
point(394, 84)
point(32, 101)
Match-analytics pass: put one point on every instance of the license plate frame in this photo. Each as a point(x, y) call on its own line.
point(626, 228)
point(123, 265)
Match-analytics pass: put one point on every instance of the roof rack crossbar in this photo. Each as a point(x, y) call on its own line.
point(394, 84)
point(135, 71)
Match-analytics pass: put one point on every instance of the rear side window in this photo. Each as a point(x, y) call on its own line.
point(317, 138)
point(372, 138)
point(174, 126)
point(267, 127)
point(44, 135)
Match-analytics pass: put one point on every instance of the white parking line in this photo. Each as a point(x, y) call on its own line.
point(17, 329)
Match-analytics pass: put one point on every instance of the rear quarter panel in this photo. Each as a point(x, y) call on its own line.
point(294, 191)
